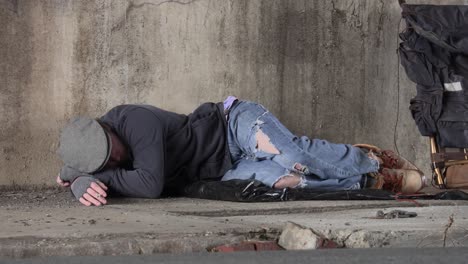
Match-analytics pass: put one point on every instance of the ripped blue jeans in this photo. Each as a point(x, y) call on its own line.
point(320, 164)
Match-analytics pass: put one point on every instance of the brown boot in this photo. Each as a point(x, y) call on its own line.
point(387, 158)
point(393, 161)
point(398, 180)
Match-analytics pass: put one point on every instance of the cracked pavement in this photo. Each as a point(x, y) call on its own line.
point(50, 222)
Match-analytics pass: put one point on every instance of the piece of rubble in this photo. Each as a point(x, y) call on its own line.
point(297, 237)
point(395, 214)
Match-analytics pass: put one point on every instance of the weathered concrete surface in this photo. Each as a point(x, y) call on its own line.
point(327, 68)
point(50, 223)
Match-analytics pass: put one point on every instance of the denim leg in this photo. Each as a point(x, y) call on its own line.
point(266, 171)
point(313, 182)
point(269, 172)
point(316, 157)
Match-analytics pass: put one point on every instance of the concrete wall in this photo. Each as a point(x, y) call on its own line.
point(327, 69)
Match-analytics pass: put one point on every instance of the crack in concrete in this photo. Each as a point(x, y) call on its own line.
point(133, 6)
point(361, 238)
point(334, 9)
point(348, 236)
point(388, 236)
point(447, 227)
point(274, 211)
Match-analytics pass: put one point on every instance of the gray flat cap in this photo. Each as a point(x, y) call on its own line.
point(84, 145)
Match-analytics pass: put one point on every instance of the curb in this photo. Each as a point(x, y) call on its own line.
point(111, 245)
point(150, 243)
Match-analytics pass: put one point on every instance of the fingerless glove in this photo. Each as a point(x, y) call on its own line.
point(81, 185)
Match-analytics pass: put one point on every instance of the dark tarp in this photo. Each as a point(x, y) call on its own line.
point(434, 53)
point(255, 191)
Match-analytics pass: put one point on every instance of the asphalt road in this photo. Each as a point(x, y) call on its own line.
point(341, 256)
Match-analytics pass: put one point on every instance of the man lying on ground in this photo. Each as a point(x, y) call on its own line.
point(143, 151)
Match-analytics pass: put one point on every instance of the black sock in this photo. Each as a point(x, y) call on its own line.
point(367, 181)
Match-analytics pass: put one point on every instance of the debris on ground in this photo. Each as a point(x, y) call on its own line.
point(395, 214)
point(297, 237)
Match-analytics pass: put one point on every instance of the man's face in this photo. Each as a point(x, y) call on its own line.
point(119, 153)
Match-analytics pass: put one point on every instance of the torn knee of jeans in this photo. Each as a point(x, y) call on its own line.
point(300, 168)
point(288, 181)
point(264, 143)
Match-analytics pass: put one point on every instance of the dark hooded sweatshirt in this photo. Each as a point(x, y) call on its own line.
point(168, 150)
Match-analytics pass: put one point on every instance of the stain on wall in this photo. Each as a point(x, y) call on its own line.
point(16, 75)
point(327, 69)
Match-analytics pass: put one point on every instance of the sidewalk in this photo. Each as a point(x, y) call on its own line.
point(51, 223)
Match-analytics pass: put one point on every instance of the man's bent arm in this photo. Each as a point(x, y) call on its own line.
point(144, 134)
point(132, 183)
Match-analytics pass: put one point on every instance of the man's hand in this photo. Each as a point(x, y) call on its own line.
point(89, 191)
point(95, 194)
point(62, 182)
